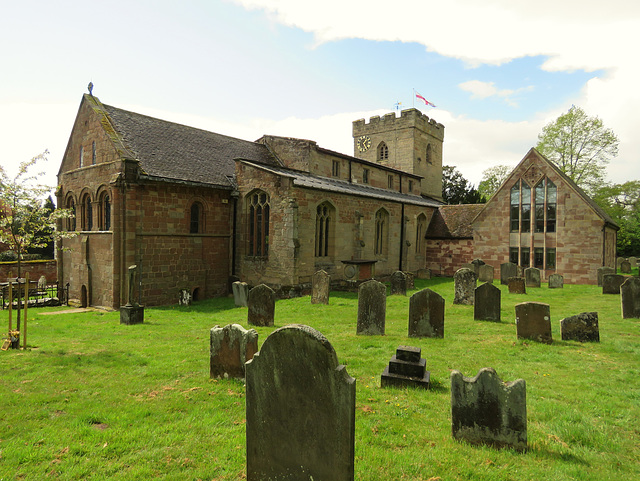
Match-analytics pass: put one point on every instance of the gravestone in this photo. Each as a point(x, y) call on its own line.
point(184, 297)
point(262, 306)
point(300, 409)
point(426, 314)
point(132, 312)
point(411, 280)
point(406, 368)
point(630, 298)
point(633, 261)
point(556, 281)
point(464, 286)
point(320, 283)
point(42, 283)
point(424, 274)
point(398, 283)
point(611, 283)
point(468, 265)
point(477, 263)
point(582, 327)
point(532, 277)
point(484, 410)
point(517, 285)
point(533, 321)
point(507, 270)
point(625, 267)
point(240, 293)
point(619, 261)
point(372, 308)
point(229, 348)
point(487, 303)
point(485, 273)
point(603, 271)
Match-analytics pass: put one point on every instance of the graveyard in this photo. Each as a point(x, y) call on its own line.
point(93, 398)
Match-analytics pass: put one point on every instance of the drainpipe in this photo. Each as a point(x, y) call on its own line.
point(401, 237)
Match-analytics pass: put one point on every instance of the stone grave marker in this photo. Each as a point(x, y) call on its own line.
point(633, 261)
point(625, 267)
point(469, 266)
point(132, 312)
point(240, 293)
point(300, 409)
point(485, 273)
point(184, 297)
point(582, 327)
point(487, 303)
point(426, 314)
point(611, 283)
point(532, 277)
point(262, 306)
point(464, 286)
point(603, 271)
point(517, 285)
point(424, 274)
point(507, 270)
point(533, 321)
point(406, 368)
point(477, 263)
point(411, 280)
point(619, 261)
point(485, 410)
point(320, 283)
point(630, 298)
point(556, 281)
point(229, 348)
point(398, 283)
point(372, 308)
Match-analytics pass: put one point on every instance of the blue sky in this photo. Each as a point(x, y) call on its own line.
point(498, 72)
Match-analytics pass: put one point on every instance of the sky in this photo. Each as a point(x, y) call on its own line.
point(497, 70)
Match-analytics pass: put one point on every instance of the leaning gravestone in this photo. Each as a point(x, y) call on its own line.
point(372, 308)
point(399, 283)
point(240, 293)
point(582, 327)
point(533, 321)
point(611, 283)
point(484, 410)
point(625, 267)
point(507, 270)
point(487, 303)
point(603, 271)
point(262, 306)
point(517, 285)
point(300, 409)
point(320, 283)
point(426, 314)
point(630, 298)
point(556, 281)
point(424, 274)
point(532, 277)
point(485, 273)
point(464, 286)
point(229, 348)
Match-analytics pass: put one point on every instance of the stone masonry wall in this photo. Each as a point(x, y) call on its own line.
point(445, 256)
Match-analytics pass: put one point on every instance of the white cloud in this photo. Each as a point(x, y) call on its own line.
point(483, 90)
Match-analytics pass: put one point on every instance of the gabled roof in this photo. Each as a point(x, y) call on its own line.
point(453, 221)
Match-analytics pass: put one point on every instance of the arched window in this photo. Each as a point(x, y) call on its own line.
point(71, 221)
point(87, 213)
point(515, 207)
point(428, 155)
point(520, 207)
point(258, 223)
point(546, 193)
point(383, 151)
point(421, 229)
point(381, 233)
point(324, 229)
point(104, 212)
point(526, 207)
point(196, 218)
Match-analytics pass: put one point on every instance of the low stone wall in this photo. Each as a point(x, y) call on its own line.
point(36, 269)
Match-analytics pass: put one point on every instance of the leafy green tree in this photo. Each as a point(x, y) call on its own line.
point(456, 189)
point(580, 145)
point(492, 179)
point(622, 203)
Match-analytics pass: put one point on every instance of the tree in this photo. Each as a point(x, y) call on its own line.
point(492, 179)
point(580, 145)
point(456, 189)
point(26, 222)
point(622, 203)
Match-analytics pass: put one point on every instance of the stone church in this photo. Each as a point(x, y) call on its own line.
point(195, 210)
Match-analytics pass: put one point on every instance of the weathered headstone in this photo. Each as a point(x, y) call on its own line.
point(464, 286)
point(603, 271)
point(240, 293)
point(229, 348)
point(630, 298)
point(411, 280)
point(487, 303)
point(556, 281)
point(300, 409)
point(485, 273)
point(477, 263)
point(406, 368)
point(619, 261)
point(132, 312)
point(42, 283)
point(507, 270)
point(532, 277)
point(426, 314)
point(424, 274)
point(582, 327)
point(320, 283)
point(633, 261)
point(398, 283)
point(262, 306)
point(184, 297)
point(533, 321)
point(517, 285)
point(611, 283)
point(469, 266)
point(625, 267)
point(372, 308)
point(484, 410)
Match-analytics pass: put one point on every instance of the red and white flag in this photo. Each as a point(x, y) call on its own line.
point(426, 102)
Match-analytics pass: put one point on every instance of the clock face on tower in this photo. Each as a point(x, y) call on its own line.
point(364, 143)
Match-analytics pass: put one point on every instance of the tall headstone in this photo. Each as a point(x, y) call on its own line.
point(426, 314)
point(532, 277)
point(630, 298)
point(320, 283)
point(517, 285)
point(533, 321)
point(625, 267)
point(507, 270)
point(611, 283)
point(262, 306)
point(406, 368)
point(424, 274)
point(229, 348)
point(132, 312)
point(300, 409)
point(240, 293)
point(582, 327)
point(603, 271)
point(372, 308)
point(487, 303)
point(556, 281)
point(485, 273)
point(398, 283)
point(464, 286)
point(485, 410)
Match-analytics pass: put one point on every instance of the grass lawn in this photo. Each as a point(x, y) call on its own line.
point(91, 398)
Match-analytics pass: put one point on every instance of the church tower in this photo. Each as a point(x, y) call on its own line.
point(411, 142)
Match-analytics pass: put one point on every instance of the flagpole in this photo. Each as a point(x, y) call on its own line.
point(413, 99)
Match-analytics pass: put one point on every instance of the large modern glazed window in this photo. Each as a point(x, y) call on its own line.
point(520, 212)
point(381, 233)
point(258, 223)
point(383, 151)
point(324, 229)
point(546, 194)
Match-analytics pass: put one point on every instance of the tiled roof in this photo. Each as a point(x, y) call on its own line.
point(453, 221)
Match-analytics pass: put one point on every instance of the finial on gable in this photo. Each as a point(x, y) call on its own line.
point(90, 86)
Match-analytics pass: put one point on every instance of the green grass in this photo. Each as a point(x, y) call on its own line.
point(91, 398)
